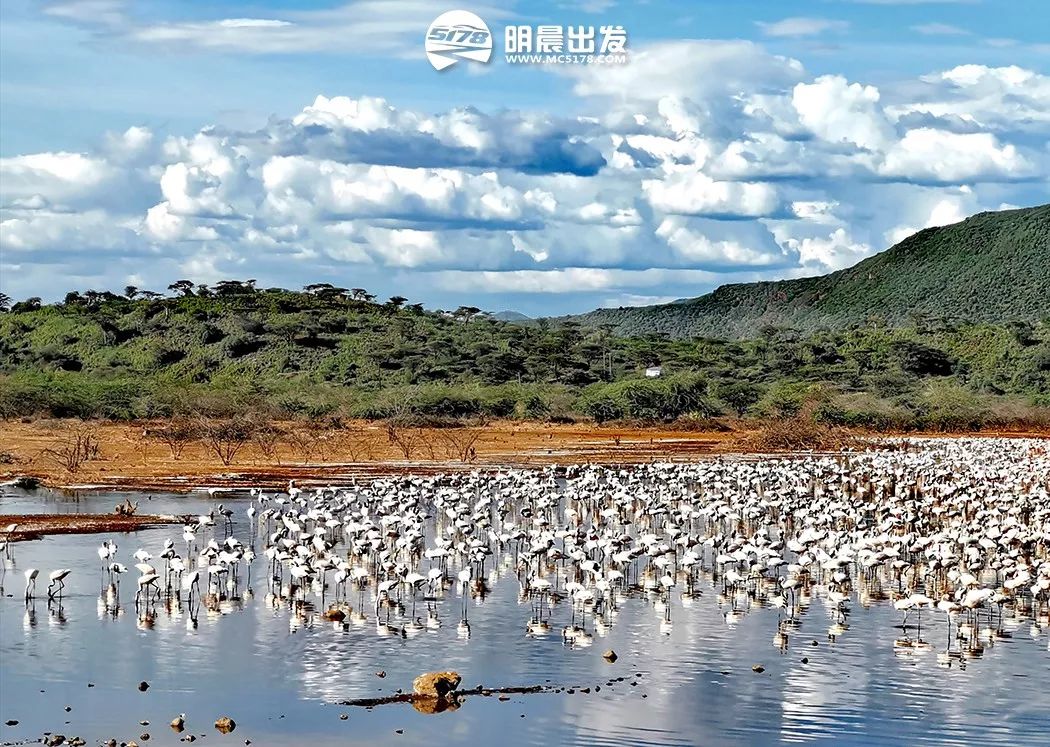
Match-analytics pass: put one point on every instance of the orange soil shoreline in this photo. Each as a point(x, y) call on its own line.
point(131, 457)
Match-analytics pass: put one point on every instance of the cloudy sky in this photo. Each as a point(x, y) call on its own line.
point(143, 142)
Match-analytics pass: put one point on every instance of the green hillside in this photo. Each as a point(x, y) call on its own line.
point(234, 350)
point(992, 267)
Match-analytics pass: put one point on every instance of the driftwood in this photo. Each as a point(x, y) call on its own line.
point(451, 702)
point(457, 694)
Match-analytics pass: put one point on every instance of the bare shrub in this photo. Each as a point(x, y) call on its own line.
point(404, 437)
point(303, 440)
point(225, 438)
point(460, 443)
point(268, 439)
point(313, 438)
point(358, 442)
point(177, 433)
point(80, 445)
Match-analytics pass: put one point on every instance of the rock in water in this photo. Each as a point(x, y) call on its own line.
point(436, 684)
point(610, 656)
point(225, 724)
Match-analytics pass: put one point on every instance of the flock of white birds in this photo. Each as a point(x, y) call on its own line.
point(955, 528)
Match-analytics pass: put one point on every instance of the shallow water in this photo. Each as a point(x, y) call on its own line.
point(280, 675)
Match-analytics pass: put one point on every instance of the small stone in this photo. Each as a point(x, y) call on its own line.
point(225, 724)
point(55, 739)
point(12, 722)
point(343, 717)
point(399, 731)
point(610, 656)
point(143, 723)
point(111, 743)
point(334, 614)
point(143, 686)
point(144, 736)
point(504, 698)
point(805, 660)
point(69, 708)
point(758, 668)
point(436, 684)
point(380, 674)
point(91, 684)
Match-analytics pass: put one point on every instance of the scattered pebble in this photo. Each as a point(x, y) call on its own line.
point(610, 656)
point(12, 722)
point(143, 687)
point(758, 668)
point(343, 717)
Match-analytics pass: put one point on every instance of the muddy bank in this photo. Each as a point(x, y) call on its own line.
point(135, 456)
point(35, 526)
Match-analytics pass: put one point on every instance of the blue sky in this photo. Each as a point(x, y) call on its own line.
point(145, 142)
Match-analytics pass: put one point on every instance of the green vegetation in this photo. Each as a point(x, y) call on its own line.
point(234, 350)
point(988, 268)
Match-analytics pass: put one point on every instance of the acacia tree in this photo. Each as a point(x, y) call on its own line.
point(185, 287)
point(5, 302)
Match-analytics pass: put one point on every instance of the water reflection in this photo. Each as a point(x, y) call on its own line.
point(278, 610)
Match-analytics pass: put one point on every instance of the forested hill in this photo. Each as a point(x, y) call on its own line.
point(233, 349)
point(992, 267)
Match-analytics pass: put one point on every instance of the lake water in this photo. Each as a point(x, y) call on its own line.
point(280, 674)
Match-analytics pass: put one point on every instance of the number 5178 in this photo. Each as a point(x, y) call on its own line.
point(458, 35)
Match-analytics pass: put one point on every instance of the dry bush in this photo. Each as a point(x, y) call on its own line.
point(177, 433)
point(79, 445)
point(357, 442)
point(303, 440)
point(315, 437)
point(802, 432)
point(225, 438)
point(459, 443)
point(267, 439)
point(404, 438)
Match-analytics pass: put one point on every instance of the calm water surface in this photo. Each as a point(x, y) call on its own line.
point(280, 676)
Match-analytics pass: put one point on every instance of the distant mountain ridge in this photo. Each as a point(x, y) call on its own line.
point(991, 267)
